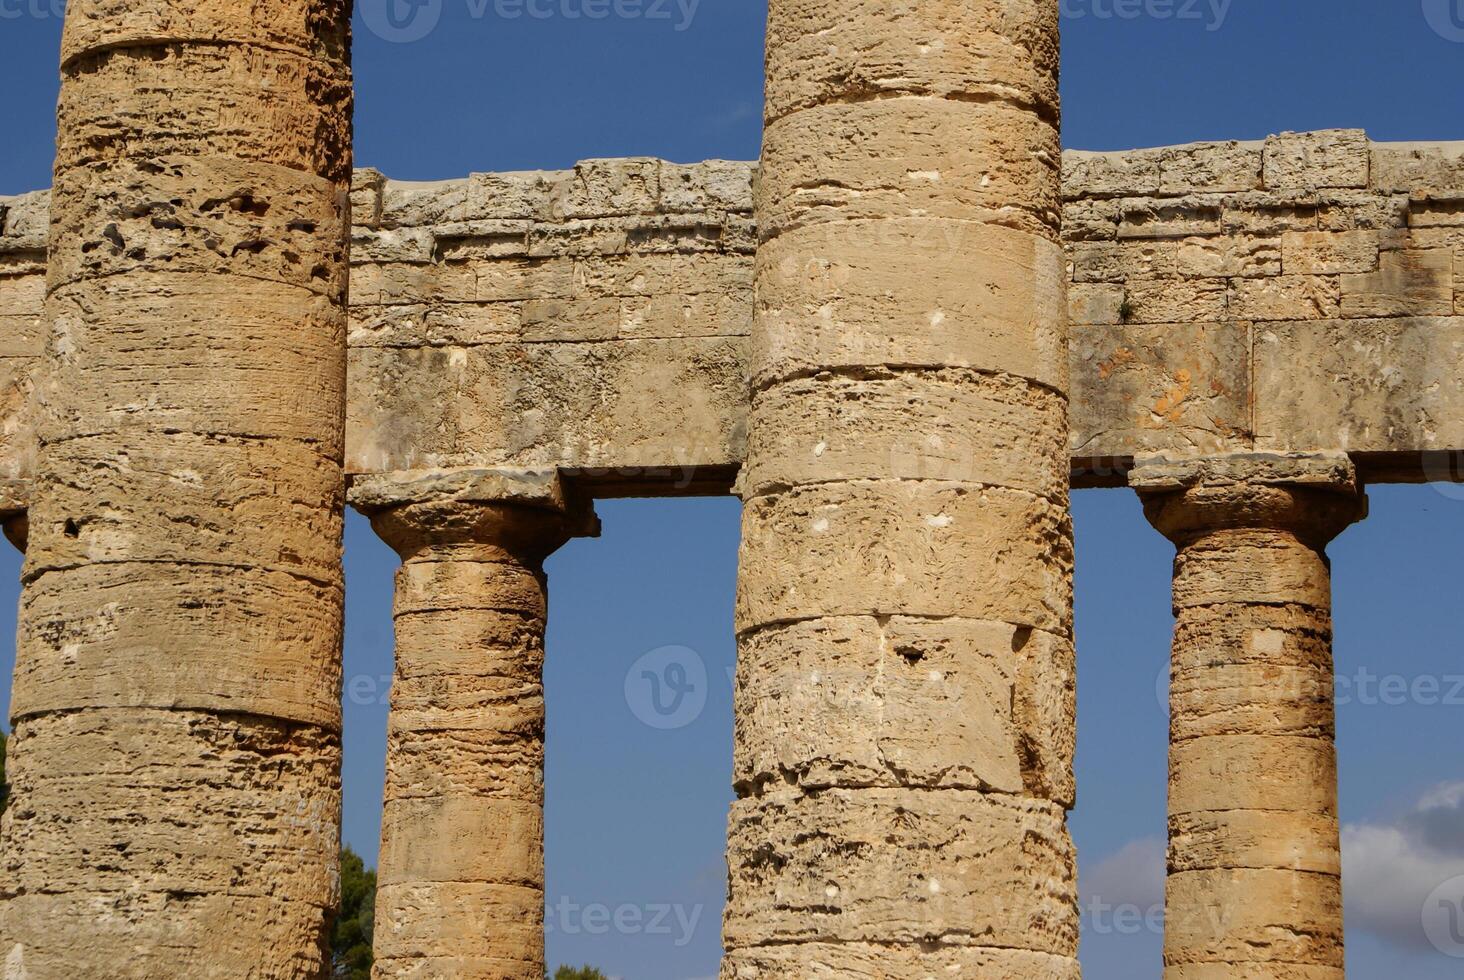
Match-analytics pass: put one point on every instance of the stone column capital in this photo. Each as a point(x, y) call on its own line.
point(524, 514)
point(1314, 496)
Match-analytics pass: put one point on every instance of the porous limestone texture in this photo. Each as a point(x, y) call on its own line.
point(597, 320)
point(461, 874)
point(175, 763)
point(592, 320)
point(24, 230)
point(904, 697)
point(1254, 886)
point(1303, 293)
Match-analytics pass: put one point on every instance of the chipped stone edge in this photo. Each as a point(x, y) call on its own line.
point(14, 498)
point(1321, 470)
point(1391, 167)
point(25, 222)
point(531, 488)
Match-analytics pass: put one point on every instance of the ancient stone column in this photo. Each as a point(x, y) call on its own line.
point(1254, 888)
point(904, 703)
point(461, 874)
point(176, 751)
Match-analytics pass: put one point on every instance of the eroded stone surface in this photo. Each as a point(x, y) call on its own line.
point(147, 829)
point(905, 701)
point(901, 866)
point(176, 759)
point(1212, 311)
point(462, 841)
point(955, 425)
point(1254, 862)
point(979, 296)
point(904, 710)
point(945, 549)
point(867, 961)
point(1331, 262)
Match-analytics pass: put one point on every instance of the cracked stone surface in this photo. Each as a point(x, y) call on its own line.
point(461, 872)
point(1254, 886)
point(176, 758)
point(174, 349)
point(904, 713)
point(1295, 294)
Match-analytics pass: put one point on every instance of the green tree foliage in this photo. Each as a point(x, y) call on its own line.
point(583, 973)
point(350, 943)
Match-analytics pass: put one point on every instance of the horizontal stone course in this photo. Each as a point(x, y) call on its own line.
point(1305, 292)
point(1329, 264)
point(950, 868)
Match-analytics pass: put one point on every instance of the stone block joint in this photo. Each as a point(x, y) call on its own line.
point(903, 733)
point(461, 873)
point(1254, 865)
point(176, 696)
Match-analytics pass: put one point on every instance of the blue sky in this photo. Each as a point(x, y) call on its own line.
point(636, 814)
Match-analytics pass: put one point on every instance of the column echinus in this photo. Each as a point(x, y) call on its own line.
point(461, 875)
point(1254, 887)
point(904, 700)
point(175, 766)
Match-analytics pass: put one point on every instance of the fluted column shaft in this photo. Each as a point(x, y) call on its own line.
point(461, 872)
point(1254, 888)
point(904, 717)
point(175, 765)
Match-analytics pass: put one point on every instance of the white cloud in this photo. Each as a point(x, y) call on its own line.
point(1389, 870)
point(1133, 876)
point(1392, 873)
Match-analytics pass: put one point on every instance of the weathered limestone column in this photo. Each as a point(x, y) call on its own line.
point(176, 753)
point(904, 711)
point(461, 874)
point(1254, 888)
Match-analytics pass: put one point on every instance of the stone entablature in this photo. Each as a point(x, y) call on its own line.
point(869, 331)
point(1301, 293)
point(591, 319)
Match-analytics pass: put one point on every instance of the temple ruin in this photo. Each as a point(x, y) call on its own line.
point(900, 339)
